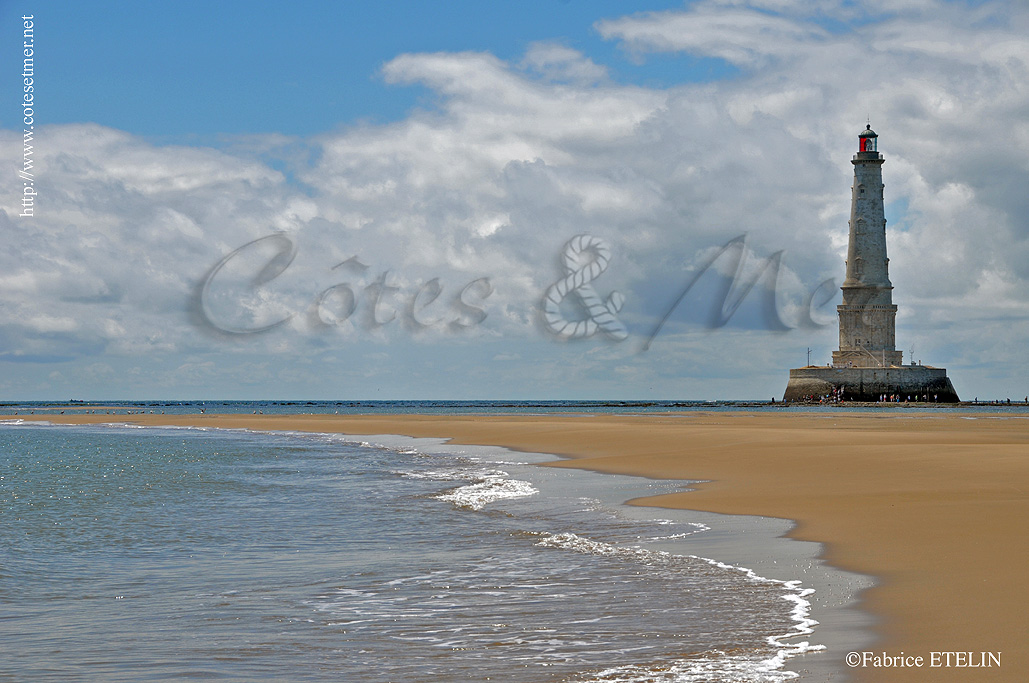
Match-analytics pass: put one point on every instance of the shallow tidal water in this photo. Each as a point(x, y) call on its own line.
point(154, 554)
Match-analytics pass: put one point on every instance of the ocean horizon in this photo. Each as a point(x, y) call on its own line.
point(482, 406)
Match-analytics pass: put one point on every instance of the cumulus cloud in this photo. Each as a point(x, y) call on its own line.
point(442, 230)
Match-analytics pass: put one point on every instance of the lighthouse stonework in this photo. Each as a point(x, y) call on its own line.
point(867, 365)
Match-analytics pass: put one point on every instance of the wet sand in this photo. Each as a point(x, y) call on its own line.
point(933, 506)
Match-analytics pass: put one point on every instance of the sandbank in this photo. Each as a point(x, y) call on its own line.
point(934, 506)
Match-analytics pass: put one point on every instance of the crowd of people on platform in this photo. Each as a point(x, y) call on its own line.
point(834, 396)
point(899, 398)
point(837, 396)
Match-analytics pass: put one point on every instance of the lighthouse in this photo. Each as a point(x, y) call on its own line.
point(867, 365)
point(867, 314)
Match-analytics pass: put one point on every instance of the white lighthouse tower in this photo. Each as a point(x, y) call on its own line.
point(867, 366)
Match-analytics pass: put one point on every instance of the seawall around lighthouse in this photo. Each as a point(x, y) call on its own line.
point(871, 384)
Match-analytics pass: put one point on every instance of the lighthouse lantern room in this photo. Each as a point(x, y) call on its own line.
point(867, 139)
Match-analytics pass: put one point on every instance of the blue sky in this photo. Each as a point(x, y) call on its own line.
point(179, 71)
point(372, 200)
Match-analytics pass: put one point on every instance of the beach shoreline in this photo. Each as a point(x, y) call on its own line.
point(931, 505)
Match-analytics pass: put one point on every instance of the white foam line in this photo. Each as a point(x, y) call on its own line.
point(800, 614)
point(698, 528)
point(488, 490)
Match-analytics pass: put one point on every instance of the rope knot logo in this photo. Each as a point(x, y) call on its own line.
point(585, 258)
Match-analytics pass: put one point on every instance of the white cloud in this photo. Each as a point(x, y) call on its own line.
point(560, 63)
point(49, 323)
point(740, 36)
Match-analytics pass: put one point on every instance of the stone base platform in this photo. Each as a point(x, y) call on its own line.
point(868, 384)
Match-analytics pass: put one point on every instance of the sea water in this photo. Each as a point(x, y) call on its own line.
point(131, 553)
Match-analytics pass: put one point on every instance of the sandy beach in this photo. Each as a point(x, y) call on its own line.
point(932, 505)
